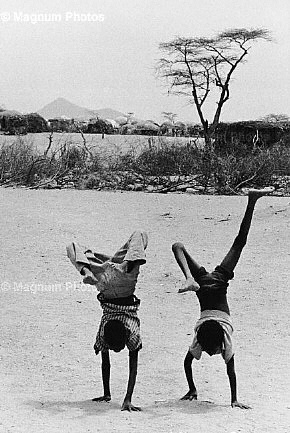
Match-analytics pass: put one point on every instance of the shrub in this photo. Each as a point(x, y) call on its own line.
point(92, 181)
point(257, 168)
point(162, 165)
point(164, 160)
point(15, 160)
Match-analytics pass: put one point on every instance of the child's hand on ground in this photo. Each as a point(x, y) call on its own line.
point(190, 395)
point(189, 286)
point(127, 405)
point(105, 398)
point(240, 405)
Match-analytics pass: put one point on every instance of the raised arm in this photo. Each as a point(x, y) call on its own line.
point(133, 366)
point(233, 385)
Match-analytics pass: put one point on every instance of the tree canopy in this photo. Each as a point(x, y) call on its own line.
point(193, 67)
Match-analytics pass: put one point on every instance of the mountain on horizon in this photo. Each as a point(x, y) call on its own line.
point(62, 107)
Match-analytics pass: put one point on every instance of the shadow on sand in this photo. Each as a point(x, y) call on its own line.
point(82, 408)
point(158, 408)
point(194, 407)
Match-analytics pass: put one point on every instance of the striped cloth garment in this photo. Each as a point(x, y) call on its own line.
point(127, 314)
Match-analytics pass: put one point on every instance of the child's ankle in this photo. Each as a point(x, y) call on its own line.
point(86, 271)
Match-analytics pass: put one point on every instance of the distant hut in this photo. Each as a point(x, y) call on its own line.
point(99, 126)
point(36, 123)
point(167, 128)
point(180, 129)
point(146, 128)
point(194, 129)
point(113, 123)
point(61, 124)
point(12, 122)
point(247, 135)
point(121, 120)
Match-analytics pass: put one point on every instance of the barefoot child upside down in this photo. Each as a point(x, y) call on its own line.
point(115, 278)
point(213, 331)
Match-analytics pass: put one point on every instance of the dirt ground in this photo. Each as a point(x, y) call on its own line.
point(48, 370)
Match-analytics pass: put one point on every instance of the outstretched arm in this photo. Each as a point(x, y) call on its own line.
point(192, 393)
point(133, 365)
point(106, 368)
point(188, 266)
point(233, 385)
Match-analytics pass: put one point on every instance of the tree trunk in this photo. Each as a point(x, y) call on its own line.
point(208, 157)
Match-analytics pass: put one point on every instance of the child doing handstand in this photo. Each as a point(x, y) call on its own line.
point(214, 329)
point(115, 278)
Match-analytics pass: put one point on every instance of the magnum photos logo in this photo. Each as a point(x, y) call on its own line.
point(40, 17)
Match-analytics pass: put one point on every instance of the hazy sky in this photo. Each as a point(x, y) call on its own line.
point(110, 62)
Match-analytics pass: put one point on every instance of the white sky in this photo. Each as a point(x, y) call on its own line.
point(111, 63)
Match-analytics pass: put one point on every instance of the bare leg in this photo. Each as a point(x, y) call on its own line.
point(188, 266)
point(232, 257)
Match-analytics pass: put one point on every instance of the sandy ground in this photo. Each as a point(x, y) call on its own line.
point(49, 372)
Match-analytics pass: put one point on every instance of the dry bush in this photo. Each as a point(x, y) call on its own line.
point(22, 164)
point(258, 168)
point(15, 161)
point(163, 166)
point(163, 160)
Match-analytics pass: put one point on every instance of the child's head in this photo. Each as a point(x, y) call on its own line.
point(115, 335)
point(210, 336)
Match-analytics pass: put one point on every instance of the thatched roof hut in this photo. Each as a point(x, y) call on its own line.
point(12, 122)
point(248, 134)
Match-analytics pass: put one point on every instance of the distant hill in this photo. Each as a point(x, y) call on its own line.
point(108, 113)
point(62, 107)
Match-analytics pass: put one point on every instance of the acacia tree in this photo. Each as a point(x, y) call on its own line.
point(196, 66)
point(169, 116)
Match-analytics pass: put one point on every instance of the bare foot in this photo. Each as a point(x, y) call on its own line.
point(120, 266)
point(257, 193)
point(90, 280)
point(189, 286)
point(89, 277)
point(105, 398)
point(127, 405)
point(190, 395)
